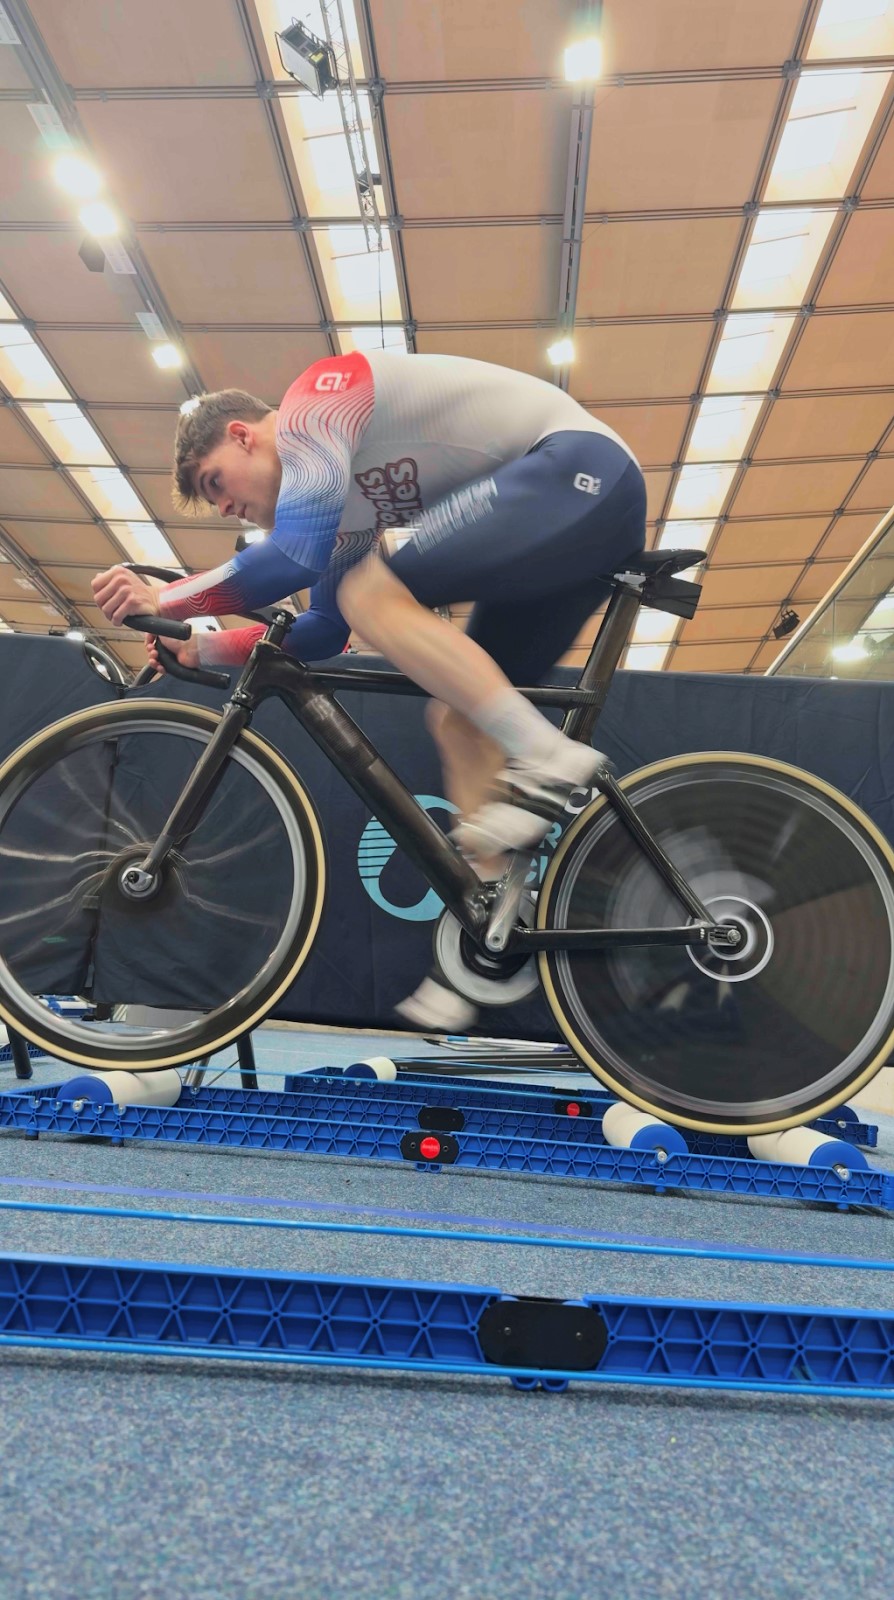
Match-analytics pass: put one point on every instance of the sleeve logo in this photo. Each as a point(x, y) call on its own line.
point(332, 382)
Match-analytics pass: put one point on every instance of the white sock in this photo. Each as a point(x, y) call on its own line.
point(514, 723)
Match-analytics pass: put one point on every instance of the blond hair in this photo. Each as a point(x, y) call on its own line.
point(201, 429)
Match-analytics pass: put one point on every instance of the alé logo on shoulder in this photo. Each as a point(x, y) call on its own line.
point(376, 848)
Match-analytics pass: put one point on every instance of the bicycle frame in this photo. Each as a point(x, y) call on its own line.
point(480, 909)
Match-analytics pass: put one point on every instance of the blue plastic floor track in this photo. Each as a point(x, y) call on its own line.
point(205, 1120)
point(145, 1307)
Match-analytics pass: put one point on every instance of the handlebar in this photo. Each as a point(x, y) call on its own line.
point(168, 628)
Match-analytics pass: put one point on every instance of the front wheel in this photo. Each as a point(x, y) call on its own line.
point(223, 932)
point(802, 1014)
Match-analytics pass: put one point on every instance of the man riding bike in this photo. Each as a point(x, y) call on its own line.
point(492, 487)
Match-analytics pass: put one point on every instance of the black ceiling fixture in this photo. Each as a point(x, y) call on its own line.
point(788, 622)
point(307, 59)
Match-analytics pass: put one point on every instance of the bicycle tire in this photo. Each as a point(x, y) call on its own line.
point(96, 739)
point(803, 1021)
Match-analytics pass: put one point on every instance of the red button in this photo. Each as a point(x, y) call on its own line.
point(573, 1108)
point(430, 1147)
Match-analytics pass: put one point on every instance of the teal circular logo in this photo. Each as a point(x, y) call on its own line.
point(376, 848)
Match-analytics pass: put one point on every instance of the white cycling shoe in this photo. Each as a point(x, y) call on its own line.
point(527, 800)
point(436, 1008)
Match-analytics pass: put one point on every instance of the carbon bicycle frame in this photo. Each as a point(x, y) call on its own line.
point(309, 695)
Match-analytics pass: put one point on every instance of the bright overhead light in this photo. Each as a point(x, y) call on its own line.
point(781, 257)
point(146, 543)
point(830, 116)
point(77, 176)
point(702, 489)
point(748, 353)
point(583, 61)
point(561, 354)
point(99, 219)
point(63, 426)
point(24, 369)
point(854, 650)
point(723, 427)
point(167, 356)
point(646, 657)
point(852, 28)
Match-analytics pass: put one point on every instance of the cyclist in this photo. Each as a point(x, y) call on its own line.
point(490, 486)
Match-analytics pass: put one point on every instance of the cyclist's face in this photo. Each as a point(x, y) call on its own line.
point(240, 477)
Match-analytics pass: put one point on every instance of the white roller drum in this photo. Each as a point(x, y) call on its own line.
point(124, 1088)
point(629, 1129)
point(381, 1068)
point(804, 1147)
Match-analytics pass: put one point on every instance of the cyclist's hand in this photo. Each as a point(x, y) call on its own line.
point(186, 651)
point(120, 593)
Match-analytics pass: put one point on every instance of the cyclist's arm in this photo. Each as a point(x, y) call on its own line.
point(320, 422)
point(318, 633)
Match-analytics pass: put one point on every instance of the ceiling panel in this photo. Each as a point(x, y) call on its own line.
point(651, 35)
point(861, 269)
point(618, 275)
point(767, 654)
point(657, 484)
point(458, 175)
point(61, 541)
point(111, 366)
point(875, 490)
point(504, 273)
point(830, 425)
point(652, 432)
point(817, 582)
point(46, 277)
point(36, 493)
point(206, 545)
point(232, 277)
point(140, 438)
point(731, 586)
point(95, 42)
point(879, 184)
point(794, 538)
point(849, 535)
point(263, 363)
point(637, 362)
point(13, 584)
point(37, 616)
point(190, 160)
point(843, 352)
point(156, 490)
point(73, 581)
point(465, 39)
point(660, 146)
point(729, 622)
point(27, 191)
point(16, 443)
point(815, 486)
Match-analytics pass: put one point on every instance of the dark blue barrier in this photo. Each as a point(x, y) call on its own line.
point(375, 939)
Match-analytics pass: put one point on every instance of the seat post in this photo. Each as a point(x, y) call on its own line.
point(599, 669)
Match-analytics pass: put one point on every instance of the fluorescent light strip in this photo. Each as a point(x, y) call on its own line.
point(852, 28)
point(828, 121)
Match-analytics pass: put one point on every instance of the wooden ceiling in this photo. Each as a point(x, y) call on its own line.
point(184, 108)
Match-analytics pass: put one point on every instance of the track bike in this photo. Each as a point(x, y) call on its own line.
point(714, 934)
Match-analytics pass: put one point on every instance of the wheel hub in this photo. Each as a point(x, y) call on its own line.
point(735, 964)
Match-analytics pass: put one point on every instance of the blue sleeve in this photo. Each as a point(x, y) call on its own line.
point(255, 577)
point(321, 631)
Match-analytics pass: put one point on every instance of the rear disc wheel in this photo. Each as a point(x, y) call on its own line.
point(768, 1035)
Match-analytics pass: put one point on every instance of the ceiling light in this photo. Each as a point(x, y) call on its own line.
point(561, 353)
point(854, 650)
point(701, 489)
point(852, 28)
point(583, 61)
point(99, 219)
point(748, 353)
point(24, 369)
point(780, 260)
point(77, 176)
point(307, 59)
point(167, 356)
point(646, 657)
point(63, 426)
point(830, 116)
point(723, 427)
